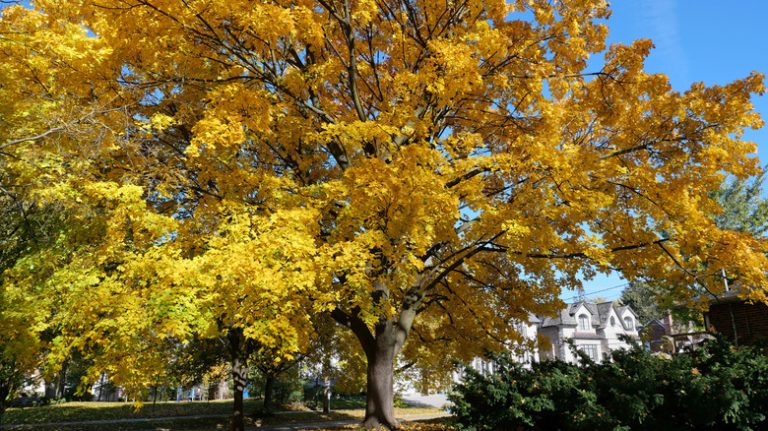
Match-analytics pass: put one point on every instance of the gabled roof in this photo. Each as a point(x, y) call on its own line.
point(562, 318)
point(604, 310)
point(532, 318)
point(600, 314)
point(655, 322)
point(623, 308)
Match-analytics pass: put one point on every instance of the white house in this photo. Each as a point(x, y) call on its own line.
point(521, 352)
point(593, 328)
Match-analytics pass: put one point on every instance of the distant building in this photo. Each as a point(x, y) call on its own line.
point(105, 390)
point(668, 336)
point(521, 352)
point(595, 329)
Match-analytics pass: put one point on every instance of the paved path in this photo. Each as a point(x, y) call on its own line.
point(309, 425)
point(416, 399)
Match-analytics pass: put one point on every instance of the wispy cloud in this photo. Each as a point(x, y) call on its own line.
point(660, 18)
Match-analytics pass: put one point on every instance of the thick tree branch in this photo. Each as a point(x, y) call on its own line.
point(468, 175)
point(497, 248)
point(358, 327)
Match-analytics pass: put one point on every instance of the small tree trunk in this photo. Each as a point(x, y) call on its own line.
point(238, 417)
point(50, 390)
point(62, 381)
point(5, 390)
point(154, 398)
point(239, 372)
point(269, 393)
point(327, 395)
point(380, 406)
point(326, 383)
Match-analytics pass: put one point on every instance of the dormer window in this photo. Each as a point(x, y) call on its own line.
point(583, 322)
point(629, 323)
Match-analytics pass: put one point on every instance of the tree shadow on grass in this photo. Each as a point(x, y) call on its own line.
point(121, 417)
point(107, 411)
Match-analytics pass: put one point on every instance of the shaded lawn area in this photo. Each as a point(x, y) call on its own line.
point(33, 417)
point(155, 425)
point(89, 411)
point(442, 424)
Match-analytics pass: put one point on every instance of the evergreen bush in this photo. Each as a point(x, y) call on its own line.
point(715, 387)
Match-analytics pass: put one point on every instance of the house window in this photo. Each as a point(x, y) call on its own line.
point(583, 322)
point(590, 350)
point(628, 323)
point(613, 321)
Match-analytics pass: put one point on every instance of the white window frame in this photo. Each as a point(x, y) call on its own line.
point(629, 322)
point(591, 350)
point(584, 324)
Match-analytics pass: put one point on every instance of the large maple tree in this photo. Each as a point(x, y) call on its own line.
point(420, 170)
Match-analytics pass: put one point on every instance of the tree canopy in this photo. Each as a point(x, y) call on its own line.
point(742, 209)
point(255, 163)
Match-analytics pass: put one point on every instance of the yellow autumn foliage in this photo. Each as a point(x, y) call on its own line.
point(423, 171)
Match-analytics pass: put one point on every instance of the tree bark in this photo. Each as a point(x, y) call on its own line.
point(326, 395)
point(239, 371)
point(381, 347)
point(326, 372)
point(269, 393)
point(62, 385)
point(380, 404)
point(5, 390)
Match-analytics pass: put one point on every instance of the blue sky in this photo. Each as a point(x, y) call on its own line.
point(700, 40)
point(711, 41)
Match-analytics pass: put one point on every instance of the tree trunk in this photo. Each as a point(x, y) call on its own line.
point(62, 386)
point(380, 400)
point(269, 393)
point(327, 395)
point(326, 371)
point(5, 391)
point(50, 390)
point(380, 349)
point(239, 372)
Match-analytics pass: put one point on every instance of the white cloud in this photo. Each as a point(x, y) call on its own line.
point(660, 19)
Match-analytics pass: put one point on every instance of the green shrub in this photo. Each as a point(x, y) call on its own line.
point(716, 387)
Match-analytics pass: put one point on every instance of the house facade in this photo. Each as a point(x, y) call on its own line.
point(595, 329)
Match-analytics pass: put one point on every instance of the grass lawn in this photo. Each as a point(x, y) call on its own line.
point(90, 411)
point(222, 424)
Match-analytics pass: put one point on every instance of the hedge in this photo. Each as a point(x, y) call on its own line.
point(715, 387)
